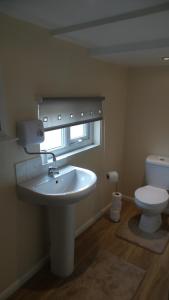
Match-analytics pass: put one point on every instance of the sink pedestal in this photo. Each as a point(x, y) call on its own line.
point(62, 238)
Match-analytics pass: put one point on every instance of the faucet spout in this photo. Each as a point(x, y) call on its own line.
point(53, 155)
point(52, 171)
point(41, 152)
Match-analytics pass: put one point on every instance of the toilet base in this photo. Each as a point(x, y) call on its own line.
point(150, 223)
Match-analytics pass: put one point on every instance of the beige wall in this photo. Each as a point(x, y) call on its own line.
point(147, 122)
point(34, 63)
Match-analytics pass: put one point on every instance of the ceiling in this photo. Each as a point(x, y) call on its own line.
point(132, 32)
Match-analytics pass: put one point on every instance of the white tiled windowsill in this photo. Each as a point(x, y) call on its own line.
point(74, 152)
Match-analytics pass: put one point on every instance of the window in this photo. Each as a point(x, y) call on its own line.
point(78, 132)
point(53, 140)
point(72, 124)
point(64, 140)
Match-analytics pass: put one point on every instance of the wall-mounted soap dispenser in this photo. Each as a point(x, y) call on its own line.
point(31, 132)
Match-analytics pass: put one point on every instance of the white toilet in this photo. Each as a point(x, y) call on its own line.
point(152, 199)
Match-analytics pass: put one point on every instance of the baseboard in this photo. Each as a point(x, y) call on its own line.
point(128, 198)
point(92, 220)
point(23, 279)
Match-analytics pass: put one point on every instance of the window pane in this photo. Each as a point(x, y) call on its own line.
point(77, 131)
point(53, 139)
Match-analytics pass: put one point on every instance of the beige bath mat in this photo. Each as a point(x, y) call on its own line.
point(107, 277)
point(155, 242)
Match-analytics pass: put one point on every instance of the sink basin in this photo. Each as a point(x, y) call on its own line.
point(68, 187)
point(60, 194)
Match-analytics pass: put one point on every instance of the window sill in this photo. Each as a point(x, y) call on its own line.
point(74, 152)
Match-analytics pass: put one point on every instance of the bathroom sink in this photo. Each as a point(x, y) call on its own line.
point(68, 187)
point(60, 195)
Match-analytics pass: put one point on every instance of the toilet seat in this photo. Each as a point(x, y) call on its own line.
point(150, 196)
point(152, 201)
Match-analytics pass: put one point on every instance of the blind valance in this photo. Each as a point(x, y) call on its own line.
point(59, 112)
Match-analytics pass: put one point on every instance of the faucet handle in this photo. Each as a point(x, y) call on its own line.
point(52, 171)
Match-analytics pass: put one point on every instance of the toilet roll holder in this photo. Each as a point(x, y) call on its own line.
point(116, 181)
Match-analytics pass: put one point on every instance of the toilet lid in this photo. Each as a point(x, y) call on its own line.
point(151, 195)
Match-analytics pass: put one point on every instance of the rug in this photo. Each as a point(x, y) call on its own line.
point(107, 277)
point(155, 242)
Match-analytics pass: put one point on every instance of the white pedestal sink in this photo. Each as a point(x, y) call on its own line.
point(60, 194)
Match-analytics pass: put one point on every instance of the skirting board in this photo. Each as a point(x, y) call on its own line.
point(22, 280)
point(92, 220)
point(128, 198)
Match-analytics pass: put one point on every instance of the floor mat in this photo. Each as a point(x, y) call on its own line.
point(156, 242)
point(106, 277)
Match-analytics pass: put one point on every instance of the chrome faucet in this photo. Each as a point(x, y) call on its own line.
point(41, 152)
point(52, 171)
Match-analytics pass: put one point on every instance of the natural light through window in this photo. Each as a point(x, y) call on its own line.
point(77, 131)
point(53, 139)
point(68, 139)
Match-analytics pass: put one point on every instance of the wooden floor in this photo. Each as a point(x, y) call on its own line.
point(101, 235)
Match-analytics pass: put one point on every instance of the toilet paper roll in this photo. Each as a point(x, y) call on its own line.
point(116, 201)
point(116, 207)
point(114, 215)
point(113, 176)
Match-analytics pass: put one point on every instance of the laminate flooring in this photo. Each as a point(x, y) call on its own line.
point(102, 236)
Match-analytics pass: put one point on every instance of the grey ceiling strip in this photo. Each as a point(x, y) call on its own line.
point(113, 19)
point(131, 47)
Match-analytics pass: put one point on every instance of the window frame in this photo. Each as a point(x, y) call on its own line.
point(74, 144)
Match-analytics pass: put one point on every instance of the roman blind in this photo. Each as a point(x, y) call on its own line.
point(59, 112)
